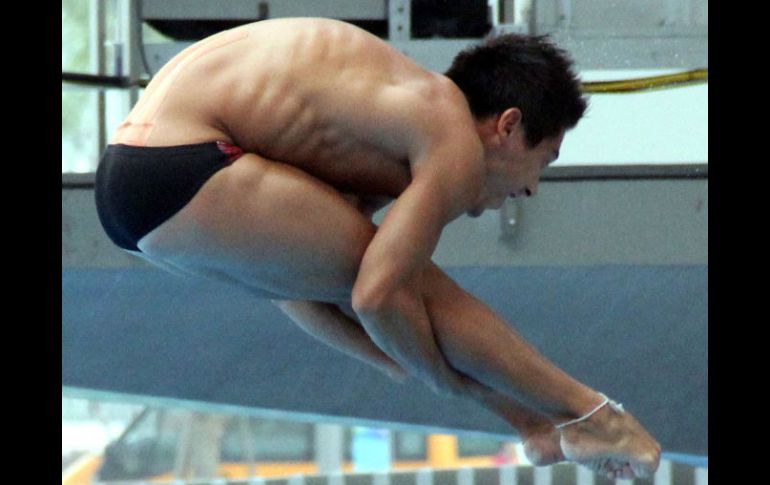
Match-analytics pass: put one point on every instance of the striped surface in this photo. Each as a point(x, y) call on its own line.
point(669, 473)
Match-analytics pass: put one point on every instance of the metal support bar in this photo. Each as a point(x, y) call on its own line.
point(180, 458)
point(400, 20)
point(495, 12)
point(244, 429)
point(524, 16)
point(585, 476)
point(329, 439)
point(664, 474)
point(506, 11)
point(701, 476)
point(564, 14)
point(542, 476)
point(98, 65)
point(128, 47)
point(250, 10)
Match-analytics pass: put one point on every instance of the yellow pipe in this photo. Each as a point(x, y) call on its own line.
point(648, 83)
point(686, 78)
point(82, 471)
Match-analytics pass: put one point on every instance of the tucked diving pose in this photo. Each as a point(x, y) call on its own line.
point(258, 156)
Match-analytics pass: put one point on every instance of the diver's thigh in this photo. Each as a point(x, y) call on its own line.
point(268, 226)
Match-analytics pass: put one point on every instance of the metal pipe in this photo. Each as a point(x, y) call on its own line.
point(399, 20)
point(495, 12)
point(564, 12)
point(524, 16)
point(98, 65)
point(129, 48)
point(329, 452)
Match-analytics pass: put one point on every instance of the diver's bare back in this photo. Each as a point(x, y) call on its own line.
point(321, 95)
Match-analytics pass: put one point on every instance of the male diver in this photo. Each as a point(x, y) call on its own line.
point(257, 157)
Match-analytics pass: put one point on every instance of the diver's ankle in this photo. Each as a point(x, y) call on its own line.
point(600, 410)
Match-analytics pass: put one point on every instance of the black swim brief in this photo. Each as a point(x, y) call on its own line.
point(139, 188)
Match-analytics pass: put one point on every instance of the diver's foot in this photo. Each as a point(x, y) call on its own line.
point(612, 443)
point(543, 447)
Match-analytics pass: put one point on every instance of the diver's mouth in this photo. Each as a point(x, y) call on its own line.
point(476, 212)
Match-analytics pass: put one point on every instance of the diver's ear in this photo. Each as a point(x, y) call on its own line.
point(509, 121)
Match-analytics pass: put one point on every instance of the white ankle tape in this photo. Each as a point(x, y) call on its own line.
point(616, 406)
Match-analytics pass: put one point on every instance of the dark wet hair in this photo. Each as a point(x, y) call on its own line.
point(522, 71)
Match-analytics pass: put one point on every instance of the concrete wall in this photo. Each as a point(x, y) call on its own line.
point(585, 222)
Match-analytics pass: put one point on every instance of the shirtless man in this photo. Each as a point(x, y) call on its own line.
point(257, 157)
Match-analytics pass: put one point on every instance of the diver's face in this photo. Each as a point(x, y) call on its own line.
point(513, 168)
